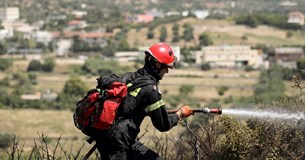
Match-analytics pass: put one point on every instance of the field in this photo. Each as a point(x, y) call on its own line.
point(222, 32)
point(29, 124)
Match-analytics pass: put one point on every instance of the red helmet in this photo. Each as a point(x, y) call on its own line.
point(163, 53)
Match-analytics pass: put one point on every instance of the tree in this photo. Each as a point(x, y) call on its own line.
point(186, 89)
point(186, 53)
point(301, 63)
point(150, 34)
point(188, 32)
point(270, 85)
point(34, 65)
point(205, 66)
point(49, 64)
point(74, 90)
point(221, 90)
point(205, 40)
point(176, 36)
point(163, 34)
point(5, 64)
point(3, 48)
point(75, 87)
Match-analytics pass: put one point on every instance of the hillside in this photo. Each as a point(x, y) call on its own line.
point(222, 32)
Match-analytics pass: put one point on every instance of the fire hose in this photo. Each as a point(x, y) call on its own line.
point(200, 110)
point(171, 111)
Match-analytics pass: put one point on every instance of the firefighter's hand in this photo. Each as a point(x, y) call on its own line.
point(185, 111)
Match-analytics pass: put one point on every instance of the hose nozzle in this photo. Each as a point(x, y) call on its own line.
point(209, 110)
point(216, 111)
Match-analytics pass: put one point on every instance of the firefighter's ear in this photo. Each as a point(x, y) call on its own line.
point(158, 65)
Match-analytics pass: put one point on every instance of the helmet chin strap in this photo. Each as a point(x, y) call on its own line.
point(153, 70)
point(156, 72)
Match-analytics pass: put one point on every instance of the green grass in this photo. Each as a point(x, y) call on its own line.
point(275, 41)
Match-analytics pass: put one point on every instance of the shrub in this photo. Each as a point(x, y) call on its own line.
point(34, 65)
point(205, 66)
point(6, 140)
point(5, 64)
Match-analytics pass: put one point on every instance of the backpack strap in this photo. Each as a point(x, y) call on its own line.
point(134, 81)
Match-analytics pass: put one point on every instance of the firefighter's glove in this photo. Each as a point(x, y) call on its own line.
point(186, 111)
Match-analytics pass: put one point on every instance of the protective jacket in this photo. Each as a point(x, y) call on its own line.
point(139, 103)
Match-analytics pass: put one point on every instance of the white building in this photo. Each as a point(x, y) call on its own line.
point(296, 17)
point(127, 56)
point(62, 47)
point(9, 14)
point(6, 33)
point(43, 37)
point(229, 56)
point(200, 14)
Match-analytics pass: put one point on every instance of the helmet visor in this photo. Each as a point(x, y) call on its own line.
point(173, 64)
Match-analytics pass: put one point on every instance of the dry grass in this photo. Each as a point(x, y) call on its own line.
point(222, 32)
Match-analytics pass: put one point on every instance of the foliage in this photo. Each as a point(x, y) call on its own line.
point(205, 66)
point(42, 150)
point(47, 66)
point(188, 34)
point(6, 140)
point(163, 34)
point(3, 48)
point(186, 89)
point(150, 34)
point(238, 140)
point(186, 53)
point(109, 50)
point(5, 64)
point(221, 90)
point(74, 90)
point(276, 20)
point(34, 65)
point(249, 68)
point(75, 87)
point(205, 40)
point(270, 85)
point(301, 63)
point(80, 45)
point(99, 66)
point(22, 83)
point(175, 30)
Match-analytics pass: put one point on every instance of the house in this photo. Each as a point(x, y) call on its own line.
point(79, 14)
point(77, 24)
point(140, 18)
point(296, 17)
point(19, 26)
point(288, 4)
point(127, 56)
point(199, 14)
point(9, 14)
point(36, 96)
point(49, 95)
point(6, 33)
point(286, 56)
point(63, 47)
point(229, 56)
point(43, 37)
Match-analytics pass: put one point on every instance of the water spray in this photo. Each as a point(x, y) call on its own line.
point(263, 114)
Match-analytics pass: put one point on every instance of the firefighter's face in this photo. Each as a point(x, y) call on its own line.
point(163, 69)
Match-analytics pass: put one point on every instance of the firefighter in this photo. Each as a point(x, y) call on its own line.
point(120, 142)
